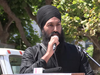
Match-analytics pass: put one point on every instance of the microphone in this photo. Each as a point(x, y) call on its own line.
point(91, 58)
point(79, 48)
point(54, 45)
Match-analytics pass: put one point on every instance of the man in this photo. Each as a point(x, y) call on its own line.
point(66, 56)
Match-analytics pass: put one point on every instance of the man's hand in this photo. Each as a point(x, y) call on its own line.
point(50, 51)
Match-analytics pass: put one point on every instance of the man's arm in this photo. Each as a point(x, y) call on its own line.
point(29, 61)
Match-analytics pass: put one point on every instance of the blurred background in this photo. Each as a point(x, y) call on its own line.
point(80, 22)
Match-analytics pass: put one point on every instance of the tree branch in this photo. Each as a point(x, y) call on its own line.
point(7, 9)
point(29, 12)
point(1, 29)
point(48, 2)
point(10, 20)
point(92, 39)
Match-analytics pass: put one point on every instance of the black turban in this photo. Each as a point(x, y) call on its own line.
point(45, 13)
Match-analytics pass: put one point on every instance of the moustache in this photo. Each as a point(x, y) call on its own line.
point(55, 33)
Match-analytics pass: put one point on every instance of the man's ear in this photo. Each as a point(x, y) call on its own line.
point(42, 30)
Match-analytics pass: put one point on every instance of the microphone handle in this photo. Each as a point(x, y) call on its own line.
point(79, 48)
point(91, 58)
point(54, 46)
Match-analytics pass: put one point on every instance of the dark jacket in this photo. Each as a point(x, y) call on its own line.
point(70, 59)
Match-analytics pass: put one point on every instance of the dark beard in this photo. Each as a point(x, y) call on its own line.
point(46, 37)
point(60, 48)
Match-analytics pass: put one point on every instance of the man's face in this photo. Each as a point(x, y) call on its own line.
point(53, 25)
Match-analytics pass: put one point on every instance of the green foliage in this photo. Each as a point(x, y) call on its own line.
point(17, 7)
point(19, 43)
point(79, 18)
point(90, 50)
point(29, 32)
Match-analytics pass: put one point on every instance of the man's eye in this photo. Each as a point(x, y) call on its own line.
point(50, 25)
point(58, 24)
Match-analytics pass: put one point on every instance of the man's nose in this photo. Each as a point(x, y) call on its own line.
point(55, 28)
